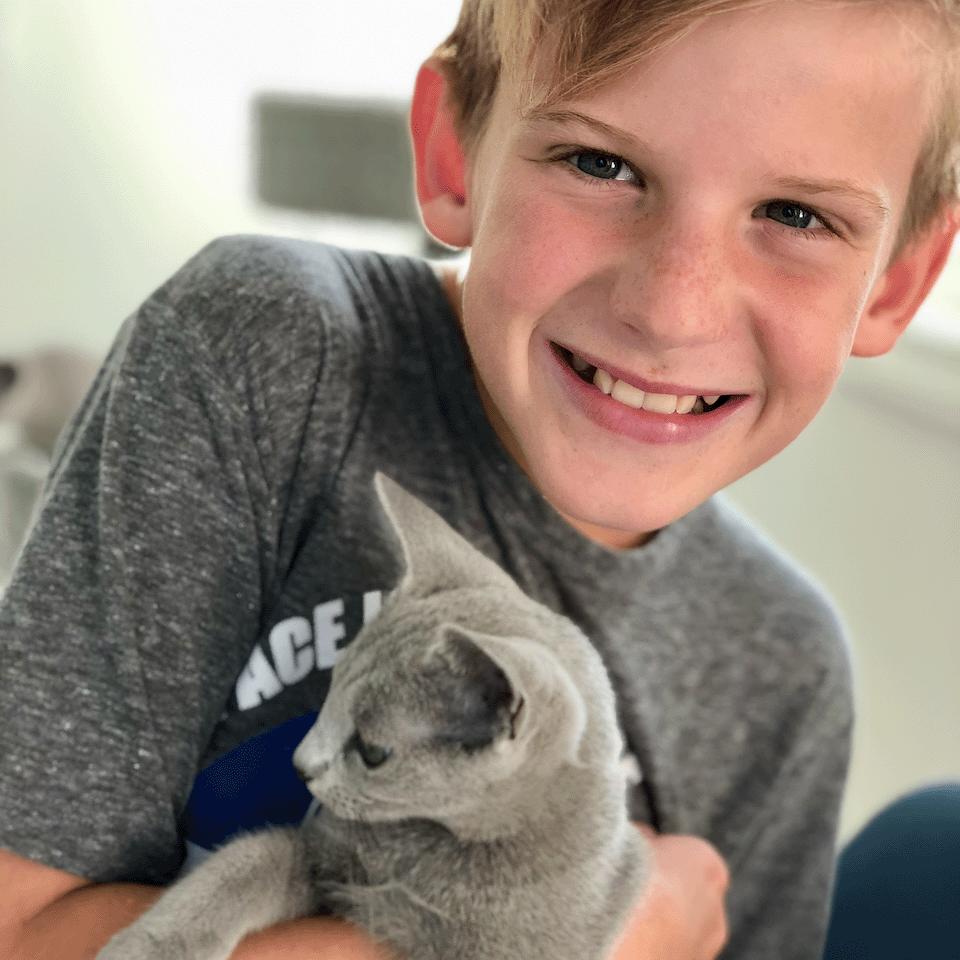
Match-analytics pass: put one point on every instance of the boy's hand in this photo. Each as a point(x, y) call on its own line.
point(680, 914)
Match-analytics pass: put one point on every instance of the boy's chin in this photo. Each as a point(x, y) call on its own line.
point(613, 497)
point(617, 514)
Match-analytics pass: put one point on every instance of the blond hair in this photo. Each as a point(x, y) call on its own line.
point(560, 49)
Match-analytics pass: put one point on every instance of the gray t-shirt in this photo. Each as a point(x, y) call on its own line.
point(208, 542)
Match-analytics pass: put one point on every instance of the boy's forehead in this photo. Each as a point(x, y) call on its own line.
point(550, 74)
point(906, 30)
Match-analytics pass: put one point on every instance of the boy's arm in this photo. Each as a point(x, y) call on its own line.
point(44, 912)
point(140, 592)
point(47, 914)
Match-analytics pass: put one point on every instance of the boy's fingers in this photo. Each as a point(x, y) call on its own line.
point(698, 851)
point(681, 913)
point(696, 856)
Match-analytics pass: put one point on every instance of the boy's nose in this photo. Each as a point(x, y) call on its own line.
point(678, 288)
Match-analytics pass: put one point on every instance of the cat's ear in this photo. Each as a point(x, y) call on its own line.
point(436, 557)
point(479, 703)
point(525, 701)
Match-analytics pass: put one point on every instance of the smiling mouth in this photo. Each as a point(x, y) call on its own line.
point(631, 396)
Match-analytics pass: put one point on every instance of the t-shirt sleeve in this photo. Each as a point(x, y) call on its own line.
point(137, 596)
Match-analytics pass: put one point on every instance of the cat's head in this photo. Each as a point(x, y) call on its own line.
point(450, 705)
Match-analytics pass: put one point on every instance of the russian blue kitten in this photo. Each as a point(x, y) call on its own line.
point(470, 768)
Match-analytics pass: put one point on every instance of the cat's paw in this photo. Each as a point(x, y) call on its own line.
point(133, 944)
point(630, 769)
point(138, 943)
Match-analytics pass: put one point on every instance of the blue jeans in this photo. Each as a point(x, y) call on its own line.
point(897, 893)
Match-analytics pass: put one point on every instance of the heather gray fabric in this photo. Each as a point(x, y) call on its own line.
point(208, 540)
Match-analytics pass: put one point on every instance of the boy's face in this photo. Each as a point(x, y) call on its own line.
point(716, 223)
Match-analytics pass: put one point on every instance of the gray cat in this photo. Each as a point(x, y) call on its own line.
point(469, 764)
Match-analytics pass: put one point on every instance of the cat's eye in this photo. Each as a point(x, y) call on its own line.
point(371, 754)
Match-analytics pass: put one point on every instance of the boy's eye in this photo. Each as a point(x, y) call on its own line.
point(792, 215)
point(603, 166)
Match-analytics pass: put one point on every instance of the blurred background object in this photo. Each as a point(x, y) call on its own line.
point(346, 161)
point(137, 130)
point(334, 156)
point(38, 393)
point(22, 472)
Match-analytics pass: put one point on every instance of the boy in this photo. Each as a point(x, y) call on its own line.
point(682, 221)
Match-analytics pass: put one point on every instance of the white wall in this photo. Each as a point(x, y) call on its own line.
point(126, 141)
point(125, 147)
point(97, 201)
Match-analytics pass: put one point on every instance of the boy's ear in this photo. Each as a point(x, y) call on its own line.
point(901, 290)
point(439, 160)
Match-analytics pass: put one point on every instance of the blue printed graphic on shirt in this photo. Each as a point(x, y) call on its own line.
point(255, 784)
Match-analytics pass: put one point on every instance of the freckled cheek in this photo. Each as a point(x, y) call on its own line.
point(530, 252)
point(810, 367)
point(808, 340)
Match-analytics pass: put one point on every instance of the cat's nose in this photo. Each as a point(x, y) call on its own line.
point(307, 771)
point(308, 761)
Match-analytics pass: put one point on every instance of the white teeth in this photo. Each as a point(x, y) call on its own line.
point(660, 403)
point(603, 380)
point(628, 395)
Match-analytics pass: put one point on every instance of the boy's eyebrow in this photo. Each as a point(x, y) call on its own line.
point(567, 117)
point(845, 188)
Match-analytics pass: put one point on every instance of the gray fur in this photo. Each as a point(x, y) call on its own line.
point(496, 827)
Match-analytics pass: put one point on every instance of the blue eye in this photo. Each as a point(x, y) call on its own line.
point(791, 214)
point(603, 166)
